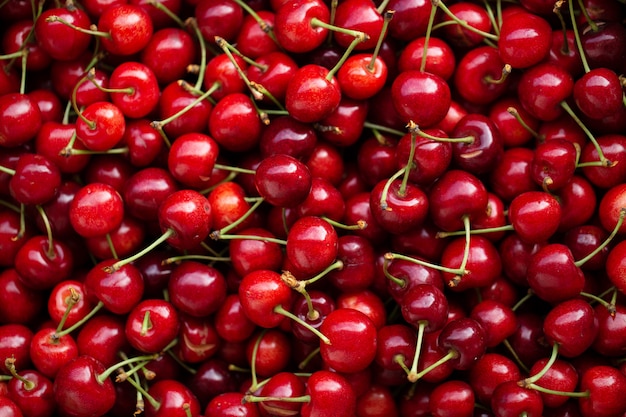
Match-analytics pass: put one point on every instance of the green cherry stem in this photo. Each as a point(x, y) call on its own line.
point(620, 221)
point(413, 374)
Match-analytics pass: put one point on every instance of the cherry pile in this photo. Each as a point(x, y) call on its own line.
point(313, 208)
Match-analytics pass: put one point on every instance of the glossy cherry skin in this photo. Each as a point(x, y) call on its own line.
point(612, 147)
point(37, 400)
point(401, 209)
point(36, 180)
point(161, 328)
point(282, 180)
point(425, 305)
point(87, 210)
point(102, 127)
point(509, 399)
point(482, 268)
point(15, 293)
point(452, 398)
point(431, 91)
point(603, 384)
point(173, 397)
point(196, 289)
point(358, 257)
point(477, 70)
point(130, 28)
point(260, 292)
point(293, 28)
point(142, 82)
point(535, 216)
point(561, 376)
point(490, 371)
point(440, 58)
point(542, 88)
point(191, 159)
point(525, 40)
point(21, 119)
point(466, 337)
point(554, 164)
point(188, 214)
point(344, 327)
point(102, 338)
point(563, 319)
point(486, 148)
point(40, 269)
point(615, 266)
point(331, 394)
point(310, 95)
point(57, 39)
point(308, 234)
point(456, 194)
point(15, 342)
point(552, 274)
point(598, 93)
point(79, 393)
point(362, 77)
point(119, 290)
point(235, 124)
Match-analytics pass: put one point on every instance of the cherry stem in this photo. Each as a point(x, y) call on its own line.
point(254, 385)
point(217, 236)
point(46, 222)
point(360, 224)
point(505, 228)
point(380, 128)
point(452, 354)
point(609, 306)
point(249, 398)
point(7, 171)
point(317, 23)
point(506, 70)
point(618, 225)
point(146, 323)
point(516, 357)
point(494, 22)
point(463, 23)
point(360, 37)
point(193, 23)
point(158, 124)
point(407, 169)
point(93, 30)
point(513, 112)
point(579, 44)
point(265, 27)
point(58, 334)
point(463, 139)
point(583, 394)
point(226, 47)
point(178, 259)
point(9, 363)
point(153, 402)
point(588, 18)
point(534, 378)
point(605, 162)
point(224, 230)
point(387, 16)
point(303, 364)
point(235, 169)
point(117, 265)
point(160, 6)
point(70, 302)
point(385, 192)
point(557, 10)
point(398, 281)
point(522, 300)
point(91, 77)
point(412, 375)
point(280, 310)
point(392, 255)
point(111, 246)
point(123, 374)
point(90, 123)
point(429, 30)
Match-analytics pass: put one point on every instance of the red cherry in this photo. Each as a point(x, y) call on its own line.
point(151, 325)
point(96, 210)
point(525, 40)
point(129, 29)
point(308, 235)
point(431, 92)
point(310, 95)
point(603, 383)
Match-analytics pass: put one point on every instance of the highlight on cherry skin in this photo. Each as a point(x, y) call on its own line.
point(316, 208)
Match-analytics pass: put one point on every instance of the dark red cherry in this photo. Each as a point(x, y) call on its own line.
point(525, 39)
point(186, 214)
point(282, 180)
point(196, 289)
point(311, 95)
point(96, 210)
point(57, 39)
point(308, 235)
point(151, 325)
point(294, 29)
point(431, 92)
point(542, 88)
point(129, 27)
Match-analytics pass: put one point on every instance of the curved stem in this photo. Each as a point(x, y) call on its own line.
point(412, 375)
point(280, 310)
point(618, 225)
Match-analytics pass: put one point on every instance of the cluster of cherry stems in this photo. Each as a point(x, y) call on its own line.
point(292, 207)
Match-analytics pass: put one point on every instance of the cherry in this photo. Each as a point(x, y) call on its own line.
point(287, 136)
point(509, 399)
point(362, 76)
point(231, 404)
point(474, 16)
point(484, 151)
point(102, 337)
point(324, 200)
point(67, 303)
point(535, 216)
point(168, 53)
point(260, 293)
point(20, 117)
point(15, 342)
point(151, 325)
point(488, 372)
point(479, 77)
point(497, 319)
point(431, 91)
point(525, 40)
point(9, 408)
point(398, 206)
point(293, 25)
point(145, 190)
point(452, 398)
point(465, 341)
point(235, 124)
point(253, 39)
point(330, 394)
point(564, 317)
point(273, 71)
point(191, 159)
point(218, 18)
point(542, 88)
point(604, 177)
point(100, 126)
point(358, 258)
point(312, 93)
point(19, 303)
point(58, 40)
point(196, 289)
point(561, 377)
point(50, 352)
point(598, 93)
point(42, 263)
point(602, 383)
point(282, 180)
point(128, 28)
point(307, 234)
point(31, 172)
point(32, 392)
point(554, 163)
point(134, 89)
point(440, 59)
point(88, 208)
